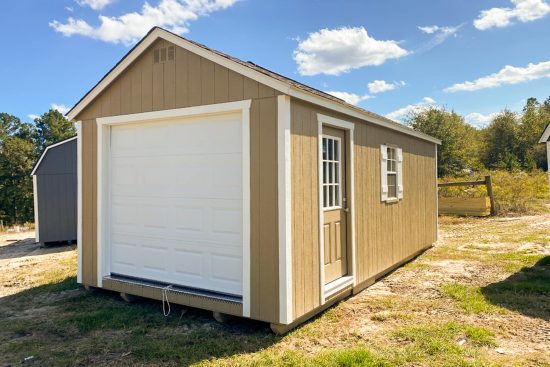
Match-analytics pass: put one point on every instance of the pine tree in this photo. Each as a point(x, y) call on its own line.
point(52, 127)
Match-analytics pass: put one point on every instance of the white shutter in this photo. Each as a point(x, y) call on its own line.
point(399, 152)
point(383, 172)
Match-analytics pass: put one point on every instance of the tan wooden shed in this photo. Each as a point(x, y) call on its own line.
point(237, 190)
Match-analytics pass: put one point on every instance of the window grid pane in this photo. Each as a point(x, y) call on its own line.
point(331, 172)
point(391, 164)
point(392, 185)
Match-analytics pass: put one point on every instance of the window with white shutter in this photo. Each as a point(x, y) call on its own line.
point(391, 173)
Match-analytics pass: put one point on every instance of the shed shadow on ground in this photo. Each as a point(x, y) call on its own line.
point(97, 327)
point(526, 292)
point(29, 247)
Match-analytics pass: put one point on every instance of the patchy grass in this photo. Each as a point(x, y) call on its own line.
point(442, 342)
point(427, 313)
point(469, 298)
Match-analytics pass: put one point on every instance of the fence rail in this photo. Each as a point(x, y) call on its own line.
point(486, 181)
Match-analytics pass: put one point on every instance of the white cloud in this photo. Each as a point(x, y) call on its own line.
point(440, 35)
point(429, 29)
point(506, 75)
point(478, 119)
point(523, 11)
point(406, 111)
point(128, 28)
point(60, 107)
point(379, 86)
point(94, 4)
point(32, 116)
point(350, 98)
point(337, 51)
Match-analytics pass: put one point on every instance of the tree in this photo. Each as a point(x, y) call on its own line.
point(502, 142)
point(12, 126)
point(17, 155)
point(531, 154)
point(460, 142)
point(52, 127)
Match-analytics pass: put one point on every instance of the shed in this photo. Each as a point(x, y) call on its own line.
point(240, 191)
point(54, 180)
point(545, 138)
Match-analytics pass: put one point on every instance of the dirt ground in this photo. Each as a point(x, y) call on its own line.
point(479, 297)
point(22, 261)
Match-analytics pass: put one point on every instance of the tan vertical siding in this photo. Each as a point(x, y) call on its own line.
point(187, 81)
point(385, 234)
point(305, 205)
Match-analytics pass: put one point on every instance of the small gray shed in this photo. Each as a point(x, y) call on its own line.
point(55, 194)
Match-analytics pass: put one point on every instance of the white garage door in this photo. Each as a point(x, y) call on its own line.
point(176, 202)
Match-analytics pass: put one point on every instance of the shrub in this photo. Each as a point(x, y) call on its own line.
point(514, 191)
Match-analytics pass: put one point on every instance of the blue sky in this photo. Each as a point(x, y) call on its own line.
point(476, 57)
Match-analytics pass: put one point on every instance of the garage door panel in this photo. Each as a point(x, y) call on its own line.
point(187, 263)
point(220, 135)
point(124, 256)
point(176, 202)
point(207, 176)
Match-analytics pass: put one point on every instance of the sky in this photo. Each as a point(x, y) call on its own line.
point(387, 56)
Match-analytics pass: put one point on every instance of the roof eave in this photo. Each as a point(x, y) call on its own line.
point(360, 113)
point(238, 67)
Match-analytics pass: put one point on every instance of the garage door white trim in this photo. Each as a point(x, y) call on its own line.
point(103, 153)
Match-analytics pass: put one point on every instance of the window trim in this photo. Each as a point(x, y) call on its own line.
point(323, 184)
point(384, 173)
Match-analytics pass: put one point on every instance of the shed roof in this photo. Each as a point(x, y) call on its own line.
point(545, 134)
point(46, 151)
point(265, 76)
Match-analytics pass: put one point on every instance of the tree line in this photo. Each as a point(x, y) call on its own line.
point(509, 141)
point(21, 143)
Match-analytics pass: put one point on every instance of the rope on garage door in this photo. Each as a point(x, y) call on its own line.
point(165, 299)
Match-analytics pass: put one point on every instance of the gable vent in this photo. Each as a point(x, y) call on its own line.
point(171, 52)
point(164, 54)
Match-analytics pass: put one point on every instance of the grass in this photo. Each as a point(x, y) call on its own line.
point(428, 341)
point(470, 298)
point(59, 323)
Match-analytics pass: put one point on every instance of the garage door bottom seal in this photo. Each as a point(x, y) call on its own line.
point(175, 288)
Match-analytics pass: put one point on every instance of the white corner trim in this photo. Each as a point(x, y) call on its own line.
point(46, 150)
point(246, 207)
point(79, 201)
point(349, 126)
point(35, 198)
point(103, 152)
point(285, 209)
point(274, 83)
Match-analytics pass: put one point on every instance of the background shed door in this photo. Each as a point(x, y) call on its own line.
point(334, 203)
point(176, 202)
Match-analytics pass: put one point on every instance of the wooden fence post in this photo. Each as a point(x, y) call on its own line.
point(489, 186)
